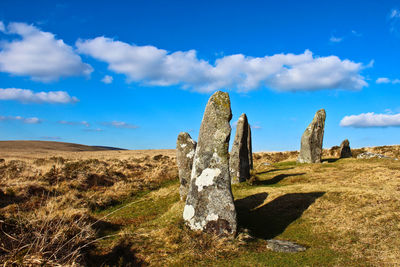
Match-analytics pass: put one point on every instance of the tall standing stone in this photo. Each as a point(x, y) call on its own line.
point(239, 161)
point(250, 147)
point(311, 141)
point(185, 149)
point(209, 203)
point(345, 151)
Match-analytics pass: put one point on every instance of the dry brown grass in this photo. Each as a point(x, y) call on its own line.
point(360, 205)
point(47, 197)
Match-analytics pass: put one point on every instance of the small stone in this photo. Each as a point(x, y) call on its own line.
point(369, 155)
point(209, 203)
point(240, 156)
point(312, 139)
point(185, 149)
point(345, 151)
point(284, 246)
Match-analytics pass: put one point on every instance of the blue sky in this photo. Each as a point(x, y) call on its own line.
point(135, 74)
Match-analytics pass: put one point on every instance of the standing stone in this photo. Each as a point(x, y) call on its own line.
point(311, 141)
point(345, 151)
point(209, 203)
point(239, 162)
point(250, 148)
point(185, 149)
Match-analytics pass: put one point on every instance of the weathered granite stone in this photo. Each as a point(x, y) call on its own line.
point(311, 141)
point(284, 246)
point(250, 147)
point(345, 151)
point(209, 203)
point(185, 149)
point(239, 161)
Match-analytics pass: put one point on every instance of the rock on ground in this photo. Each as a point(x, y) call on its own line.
point(239, 161)
point(284, 246)
point(311, 141)
point(369, 155)
point(185, 149)
point(209, 204)
point(345, 151)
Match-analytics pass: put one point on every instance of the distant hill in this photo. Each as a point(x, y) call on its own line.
point(10, 146)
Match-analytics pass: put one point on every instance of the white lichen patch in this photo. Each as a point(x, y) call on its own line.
point(190, 154)
point(188, 212)
point(212, 217)
point(206, 177)
point(183, 145)
point(216, 158)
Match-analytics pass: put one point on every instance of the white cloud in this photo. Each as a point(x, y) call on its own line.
point(28, 96)
point(394, 20)
point(383, 80)
point(256, 127)
point(84, 123)
point(107, 79)
point(394, 13)
point(334, 39)
point(355, 33)
point(93, 130)
point(32, 120)
point(121, 124)
point(39, 55)
point(283, 72)
point(387, 80)
point(371, 119)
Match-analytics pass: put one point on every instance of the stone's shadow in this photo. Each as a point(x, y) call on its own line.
point(329, 160)
point(251, 202)
point(277, 179)
point(271, 219)
point(275, 170)
point(121, 255)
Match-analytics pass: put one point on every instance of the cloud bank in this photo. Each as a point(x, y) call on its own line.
point(38, 54)
point(150, 65)
point(28, 96)
point(371, 119)
point(32, 120)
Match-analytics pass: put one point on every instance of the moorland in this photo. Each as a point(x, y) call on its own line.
point(68, 204)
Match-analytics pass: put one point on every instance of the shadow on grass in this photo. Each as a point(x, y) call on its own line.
point(330, 160)
point(6, 200)
point(275, 170)
point(121, 255)
point(272, 219)
point(277, 179)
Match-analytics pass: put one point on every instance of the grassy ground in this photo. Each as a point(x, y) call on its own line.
point(346, 212)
